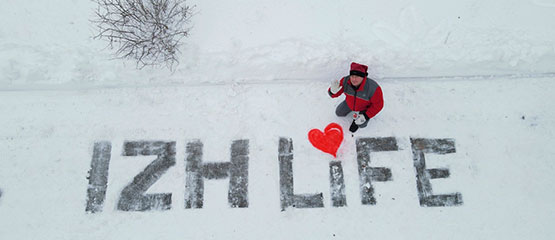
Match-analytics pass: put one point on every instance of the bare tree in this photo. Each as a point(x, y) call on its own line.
point(148, 31)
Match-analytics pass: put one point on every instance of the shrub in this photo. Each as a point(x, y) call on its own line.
point(148, 31)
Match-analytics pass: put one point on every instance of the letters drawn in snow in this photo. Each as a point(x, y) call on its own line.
point(133, 197)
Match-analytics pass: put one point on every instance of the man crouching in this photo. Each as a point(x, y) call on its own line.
point(362, 95)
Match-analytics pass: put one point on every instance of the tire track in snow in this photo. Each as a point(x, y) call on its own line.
point(276, 81)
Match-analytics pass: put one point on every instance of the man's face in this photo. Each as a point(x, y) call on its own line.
point(356, 80)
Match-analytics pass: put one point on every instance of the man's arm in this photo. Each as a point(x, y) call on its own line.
point(376, 103)
point(338, 88)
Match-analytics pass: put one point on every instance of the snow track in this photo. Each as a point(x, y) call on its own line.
point(270, 82)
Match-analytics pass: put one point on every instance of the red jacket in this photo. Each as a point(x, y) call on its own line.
point(368, 97)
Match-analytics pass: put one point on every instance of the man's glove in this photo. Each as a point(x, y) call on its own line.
point(335, 87)
point(360, 118)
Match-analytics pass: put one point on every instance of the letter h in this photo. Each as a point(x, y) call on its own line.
point(236, 170)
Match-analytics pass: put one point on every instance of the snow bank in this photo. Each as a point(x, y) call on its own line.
point(45, 45)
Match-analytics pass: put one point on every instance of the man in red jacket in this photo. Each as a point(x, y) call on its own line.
point(363, 95)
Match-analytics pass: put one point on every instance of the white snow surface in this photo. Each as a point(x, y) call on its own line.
point(503, 165)
point(479, 72)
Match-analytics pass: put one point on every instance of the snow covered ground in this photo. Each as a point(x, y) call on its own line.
point(478, 74)
point(502, 166)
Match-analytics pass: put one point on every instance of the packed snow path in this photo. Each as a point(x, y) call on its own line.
point(497, 161)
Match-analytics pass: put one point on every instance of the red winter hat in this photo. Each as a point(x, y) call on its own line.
point(358, 70)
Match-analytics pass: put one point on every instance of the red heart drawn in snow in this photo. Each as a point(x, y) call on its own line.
point(327, 141)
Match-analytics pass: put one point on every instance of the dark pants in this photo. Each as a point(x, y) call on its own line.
point(343, 110)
